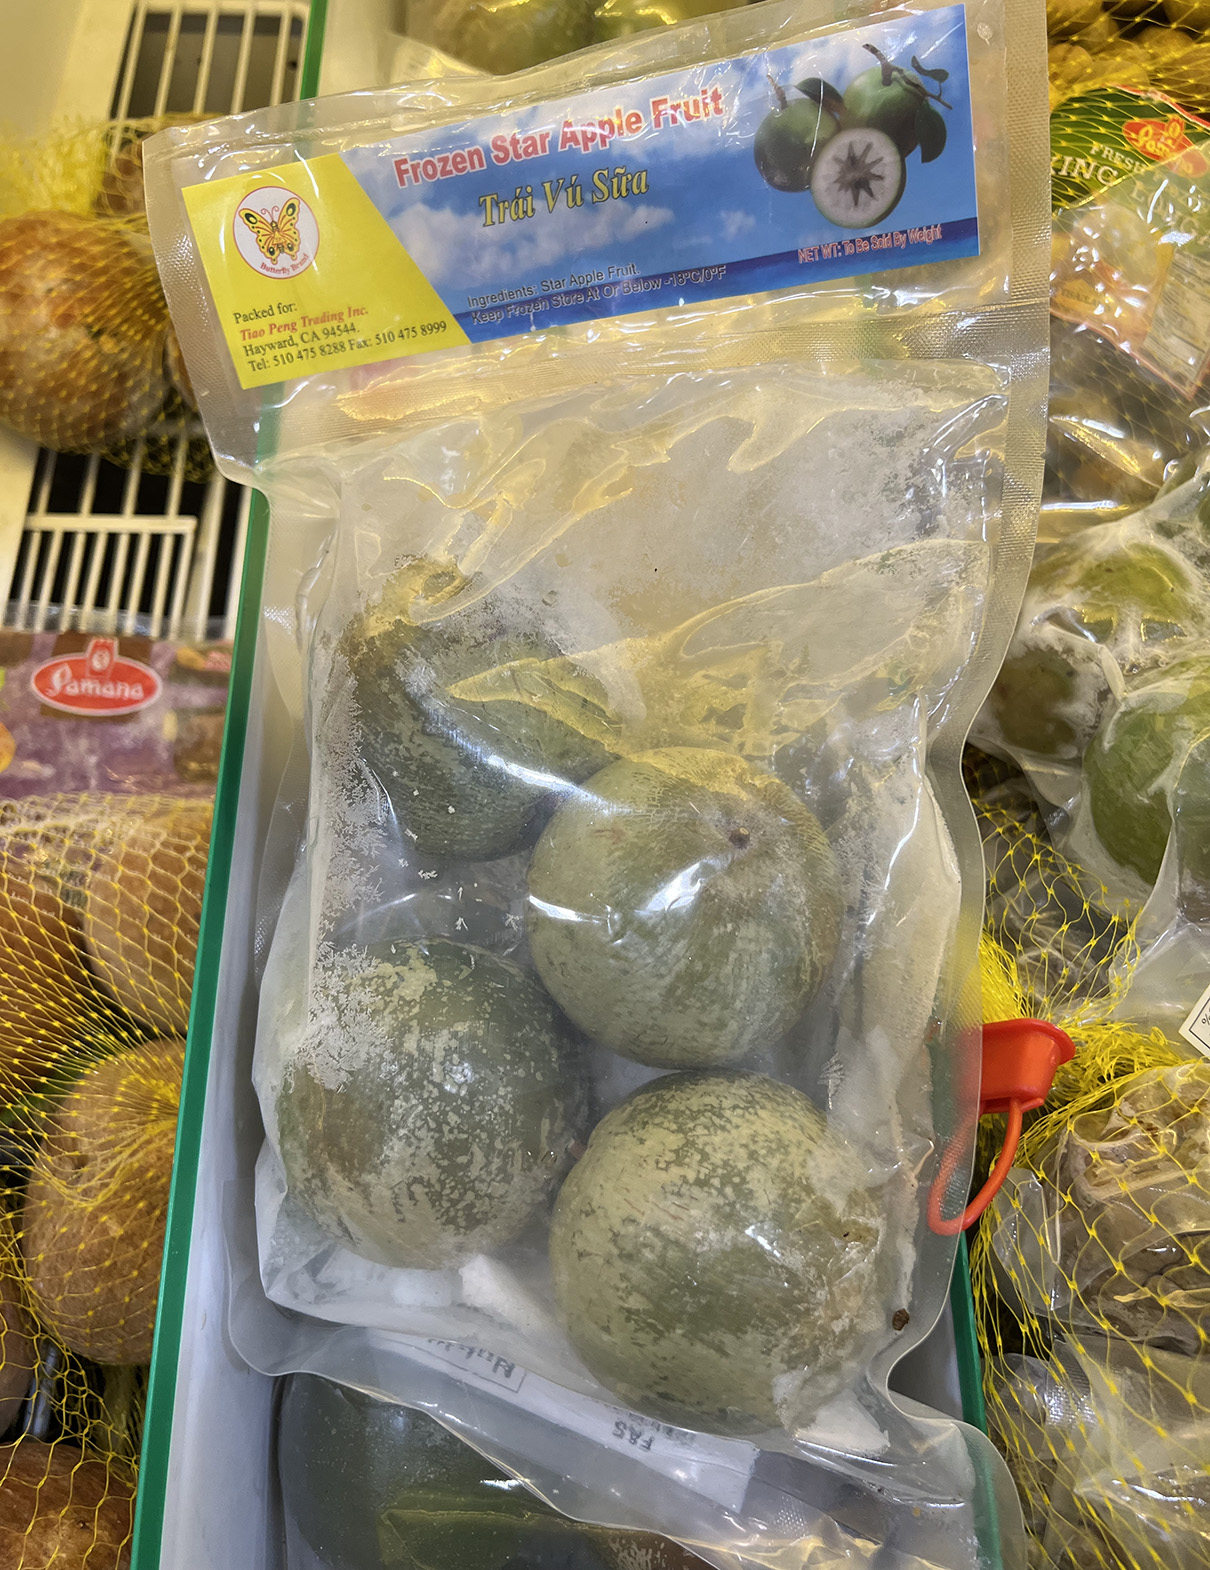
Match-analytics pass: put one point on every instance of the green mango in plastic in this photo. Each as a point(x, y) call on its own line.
point(369, 1485)
point(435, 1113)
point(1132, 595)
point(684, 907)
point(1048, 697)
point(620, 18)
point(502, 36)
point(715, 1253)
point(1135, 759)
point(1191, 829)
point(468, 722)
point(1131, 599)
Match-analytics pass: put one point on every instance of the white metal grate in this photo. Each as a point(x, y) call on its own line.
point(119, 550)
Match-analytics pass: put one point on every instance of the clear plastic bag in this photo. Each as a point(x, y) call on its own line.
point(368, 1484)
point(1094, 1249)
point(611, 1028)
point(1098, 699)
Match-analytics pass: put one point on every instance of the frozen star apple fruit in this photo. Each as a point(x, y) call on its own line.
point(715, 1253)
point(368, 1483)
point(1135, 760)
point(509, 35)
point(467, 723)
point(432, 1109)
point(684, 907)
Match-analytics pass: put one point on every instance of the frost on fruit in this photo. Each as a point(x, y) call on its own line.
point(469, 716)
point(716, 1253)
point(684, 907)
point(430, 1104)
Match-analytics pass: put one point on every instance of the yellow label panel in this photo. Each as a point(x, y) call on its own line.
point(307, 275)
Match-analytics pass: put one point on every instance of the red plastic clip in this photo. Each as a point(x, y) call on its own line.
point(1020, 1057)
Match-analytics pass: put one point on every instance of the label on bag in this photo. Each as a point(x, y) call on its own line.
point(717, 1468)
point(1109, 134)
point(1196, 1029)
point(779, 169)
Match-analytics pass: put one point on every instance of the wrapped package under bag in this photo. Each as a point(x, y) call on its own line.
point(653, 442)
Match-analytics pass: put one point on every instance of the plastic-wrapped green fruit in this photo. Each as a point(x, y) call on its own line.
point(1131, 594)
point(788, 139)
point(1134, 761)
point(436, 1113)
point(684, 907)
point(620, 18)
point(1191, 830)
point(715, 1253)
point(1048, 698)
point(465, 775)
point(368, 1485)
point(1129, 597)
point(502, 36)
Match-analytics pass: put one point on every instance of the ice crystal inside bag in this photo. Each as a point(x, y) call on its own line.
point(630, 620)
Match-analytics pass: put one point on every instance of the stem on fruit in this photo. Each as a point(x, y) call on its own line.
point(778, 89)
point(890, 71)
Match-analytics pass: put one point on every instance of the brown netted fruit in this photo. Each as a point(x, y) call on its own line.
point(57, 1509)
point(95, 1208)
point(82, 324)
point(1193, 14)
point(17, 1356)
point(1185, 75)
point(143, 905)
point(1066, 18)
point(43, 982)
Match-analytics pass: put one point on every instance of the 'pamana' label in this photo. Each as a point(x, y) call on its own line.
point(98, 682)
point(1111, 133)
point(852, 153)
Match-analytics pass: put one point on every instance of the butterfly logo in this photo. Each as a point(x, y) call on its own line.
point(275, 229)
point(275, 232)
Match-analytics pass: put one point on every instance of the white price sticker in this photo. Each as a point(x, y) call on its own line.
point(1178, 340)
point(719, 1469)
point(1196, 1029)
point(476, 1363)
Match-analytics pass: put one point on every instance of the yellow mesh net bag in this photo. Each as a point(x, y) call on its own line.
point(100, 900)
point(1091, 1271)
point(1130, 43)
point(88, 359)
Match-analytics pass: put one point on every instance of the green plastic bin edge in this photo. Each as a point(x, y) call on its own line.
point(161, 1390)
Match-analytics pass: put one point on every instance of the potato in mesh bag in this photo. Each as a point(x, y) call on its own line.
point(95, 1209)
point(142, 907)
point(83, 326)
point(46, 995)
point(61, 1509)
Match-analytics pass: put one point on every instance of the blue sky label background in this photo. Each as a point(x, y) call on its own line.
point(708, 226)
